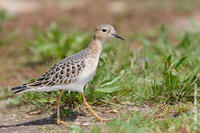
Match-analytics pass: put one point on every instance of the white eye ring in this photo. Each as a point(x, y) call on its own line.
point(104, 30)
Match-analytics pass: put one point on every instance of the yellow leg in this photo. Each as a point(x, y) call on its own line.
point(91, 110)
point(58, 121)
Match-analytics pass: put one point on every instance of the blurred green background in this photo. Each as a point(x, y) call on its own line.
point(158, 64)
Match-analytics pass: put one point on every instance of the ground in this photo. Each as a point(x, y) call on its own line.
point(17, 66)
point(21, 119)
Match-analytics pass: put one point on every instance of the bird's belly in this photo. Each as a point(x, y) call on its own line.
point(89, 71)
point(86, 76)
point(76, 86)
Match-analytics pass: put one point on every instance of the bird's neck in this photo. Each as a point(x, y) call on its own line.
point(95, 47)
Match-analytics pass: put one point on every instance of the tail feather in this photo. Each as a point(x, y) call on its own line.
point(20, 88)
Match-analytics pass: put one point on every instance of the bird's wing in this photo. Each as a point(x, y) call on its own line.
point(65, 72)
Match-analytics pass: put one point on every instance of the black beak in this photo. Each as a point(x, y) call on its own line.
point(118, 36)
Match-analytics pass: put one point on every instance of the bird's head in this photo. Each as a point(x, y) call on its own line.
point(105, 31)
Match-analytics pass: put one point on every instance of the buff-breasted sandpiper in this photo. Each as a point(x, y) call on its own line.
point(72, 73)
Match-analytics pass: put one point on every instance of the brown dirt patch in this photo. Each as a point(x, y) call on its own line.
point(128, 17)
point(23, 120)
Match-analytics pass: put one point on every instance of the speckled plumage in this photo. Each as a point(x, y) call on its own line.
point(72, 73)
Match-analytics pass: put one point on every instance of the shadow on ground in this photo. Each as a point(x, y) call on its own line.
point(69, 117)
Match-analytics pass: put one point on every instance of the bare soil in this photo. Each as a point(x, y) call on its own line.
point(21, 119)
point(15, 66)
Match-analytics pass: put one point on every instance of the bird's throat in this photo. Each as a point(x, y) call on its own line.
point(95, 47)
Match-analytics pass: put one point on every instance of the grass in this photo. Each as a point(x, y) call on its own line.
point(161, 72)
point(55, 44)
point(158, 70)
point(4, 17)
point(137, 122)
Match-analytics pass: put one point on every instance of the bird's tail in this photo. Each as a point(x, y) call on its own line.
point(20, 89)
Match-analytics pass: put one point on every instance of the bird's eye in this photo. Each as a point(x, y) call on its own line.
point(104, 30)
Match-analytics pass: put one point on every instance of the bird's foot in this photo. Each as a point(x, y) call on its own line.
point(58, 121)
point(103, 120)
